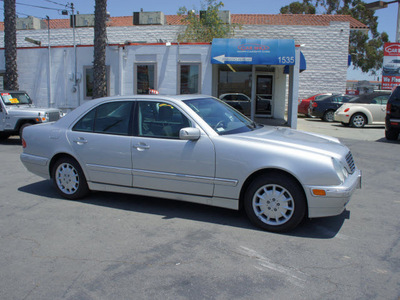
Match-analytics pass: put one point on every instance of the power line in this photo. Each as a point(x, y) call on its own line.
point(20, 13)
point(36, 6)
point(50, 1)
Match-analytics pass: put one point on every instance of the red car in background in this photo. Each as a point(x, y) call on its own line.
point(305, 103)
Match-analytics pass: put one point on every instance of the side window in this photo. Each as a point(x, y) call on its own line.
point(160, 120)
point(109, 118)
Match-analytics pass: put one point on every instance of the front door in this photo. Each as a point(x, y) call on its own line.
point(264, 95)
point(161, 161)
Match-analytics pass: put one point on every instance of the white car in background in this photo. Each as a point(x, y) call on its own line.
point(363, 110)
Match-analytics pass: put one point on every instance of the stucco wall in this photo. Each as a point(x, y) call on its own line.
point(324, 47)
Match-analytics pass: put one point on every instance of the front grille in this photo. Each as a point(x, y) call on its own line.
point(54, 116)
point(350, 162)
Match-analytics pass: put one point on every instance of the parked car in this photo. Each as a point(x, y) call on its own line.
point(392, 119)
point(325, 108)
point(393, 67)
point(239, 101)
point(364, 109)
point(193, 148)
point(17, 112)
point(304, 104)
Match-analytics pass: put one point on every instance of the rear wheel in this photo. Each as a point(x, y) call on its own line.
point(69, 179)
point(358, 120)
point(275, 202)
point(4, 136)
point(329, 116)
point(391, 134)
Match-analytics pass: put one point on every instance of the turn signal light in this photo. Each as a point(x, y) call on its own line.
point(347, 109)
point(23, 143)
point(317, 192)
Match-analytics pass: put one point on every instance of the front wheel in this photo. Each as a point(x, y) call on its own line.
point(69, 179)
point(275, 202)
point(358, 120)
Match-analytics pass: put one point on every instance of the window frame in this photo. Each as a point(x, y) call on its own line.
point(180, 64)
point(85, 68)
point(95, 109)
point(135, 77)
point(136, 119)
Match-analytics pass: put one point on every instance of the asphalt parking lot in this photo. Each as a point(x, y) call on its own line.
point(114, 246)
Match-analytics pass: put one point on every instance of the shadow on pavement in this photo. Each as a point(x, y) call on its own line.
point(321, 228)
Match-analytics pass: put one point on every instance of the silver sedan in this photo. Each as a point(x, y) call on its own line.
point(193, 148)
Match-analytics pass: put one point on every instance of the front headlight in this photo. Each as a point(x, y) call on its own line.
point(340, 169)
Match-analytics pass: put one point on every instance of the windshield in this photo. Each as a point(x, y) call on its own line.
point(220, 116)
point(15, 98)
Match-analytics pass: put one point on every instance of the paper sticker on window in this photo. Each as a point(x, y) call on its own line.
point(14, 100)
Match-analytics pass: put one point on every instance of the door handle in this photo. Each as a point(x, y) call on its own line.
point(80, 141)
point(141, 146)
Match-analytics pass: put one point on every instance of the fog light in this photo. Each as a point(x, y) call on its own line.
point(317, 192)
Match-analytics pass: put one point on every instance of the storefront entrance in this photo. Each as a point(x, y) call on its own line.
point(234, 84)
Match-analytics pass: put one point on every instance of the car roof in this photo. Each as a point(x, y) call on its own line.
point(367, 98)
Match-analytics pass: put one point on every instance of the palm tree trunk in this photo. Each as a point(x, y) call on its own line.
point(10, 46)
point(100, 43)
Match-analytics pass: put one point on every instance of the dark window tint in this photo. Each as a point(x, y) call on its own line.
point(110, 118)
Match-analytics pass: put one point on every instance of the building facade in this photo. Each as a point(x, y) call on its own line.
point(142, 57)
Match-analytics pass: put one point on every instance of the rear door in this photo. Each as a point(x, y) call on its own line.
point(102, 143)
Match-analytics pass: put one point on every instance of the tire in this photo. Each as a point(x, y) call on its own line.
point(358, 120)
point(69, 180)
point(21, 129)
point(329, 116)
point(4, 136)
point(392, 135)
point(275, 202)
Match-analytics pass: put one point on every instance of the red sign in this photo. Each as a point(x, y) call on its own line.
point(391, 66)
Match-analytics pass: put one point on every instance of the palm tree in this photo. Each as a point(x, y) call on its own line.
point(100, 42)
point(10, 46)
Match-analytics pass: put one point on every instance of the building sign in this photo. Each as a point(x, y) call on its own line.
point(391, 66)
point(253, 52)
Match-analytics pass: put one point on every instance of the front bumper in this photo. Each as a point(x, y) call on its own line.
point(336, 198)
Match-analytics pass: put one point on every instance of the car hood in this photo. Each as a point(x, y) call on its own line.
point(295, 139)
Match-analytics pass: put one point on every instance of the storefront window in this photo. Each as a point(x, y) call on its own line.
point(89, 81)
point(189, 78)
point(234, 82)
point(145, 78)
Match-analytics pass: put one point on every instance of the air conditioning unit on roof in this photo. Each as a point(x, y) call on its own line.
point(224, 15)
point(83, 20)
point(29, 23)
point(148, 18)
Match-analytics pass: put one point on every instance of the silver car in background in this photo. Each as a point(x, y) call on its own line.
point(193, 148)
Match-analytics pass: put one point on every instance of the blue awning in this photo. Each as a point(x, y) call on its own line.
point(253, 52)
point(303, 64)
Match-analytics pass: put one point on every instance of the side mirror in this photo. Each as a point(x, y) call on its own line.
point(189, 133)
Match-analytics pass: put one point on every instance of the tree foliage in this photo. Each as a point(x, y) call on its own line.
point(100, 43)
point(10, 46)
point(208, 26)
point(366, 50)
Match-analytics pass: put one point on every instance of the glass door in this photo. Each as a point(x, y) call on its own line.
point(264, 95)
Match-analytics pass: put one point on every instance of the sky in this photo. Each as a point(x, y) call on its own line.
point(387, 17)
